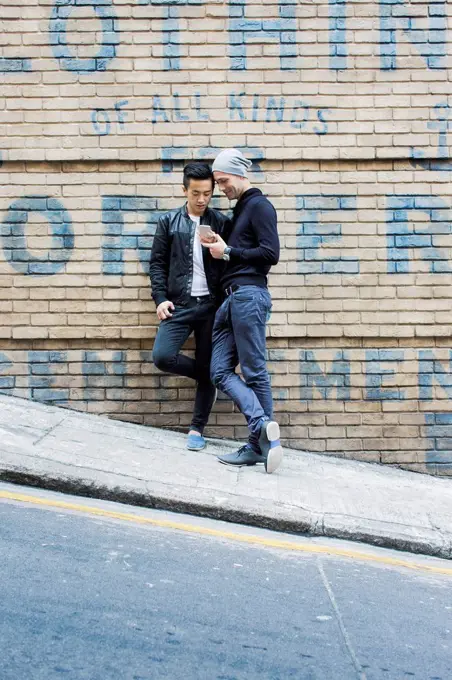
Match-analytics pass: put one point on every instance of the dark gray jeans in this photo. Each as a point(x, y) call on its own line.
point(239, 338)
point(198, 317)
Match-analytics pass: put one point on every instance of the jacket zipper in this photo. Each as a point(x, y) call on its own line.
point(192, 242)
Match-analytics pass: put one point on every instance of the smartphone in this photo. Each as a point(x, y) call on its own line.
point(206, 232)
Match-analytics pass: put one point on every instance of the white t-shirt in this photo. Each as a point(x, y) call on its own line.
point(199, 284)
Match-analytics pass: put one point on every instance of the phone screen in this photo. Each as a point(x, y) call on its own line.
point(205, 232)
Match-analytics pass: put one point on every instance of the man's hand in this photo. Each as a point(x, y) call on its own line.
point(163, 310)
point(206, 235)
point(217, 248)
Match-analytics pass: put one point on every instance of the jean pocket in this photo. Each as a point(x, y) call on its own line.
point(243, 297)
point(266, 303)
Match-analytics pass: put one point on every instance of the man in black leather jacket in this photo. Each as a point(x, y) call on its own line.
point(186, 290)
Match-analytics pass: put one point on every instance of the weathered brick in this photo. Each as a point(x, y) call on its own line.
point(342, 149)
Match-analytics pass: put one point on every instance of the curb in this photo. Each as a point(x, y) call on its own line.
point(240, 510)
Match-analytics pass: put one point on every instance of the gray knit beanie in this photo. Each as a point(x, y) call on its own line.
point(233, 162)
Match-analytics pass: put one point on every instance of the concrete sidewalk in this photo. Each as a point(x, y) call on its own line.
point(90, 455)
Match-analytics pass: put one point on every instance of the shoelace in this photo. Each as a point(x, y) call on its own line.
point(242, 449)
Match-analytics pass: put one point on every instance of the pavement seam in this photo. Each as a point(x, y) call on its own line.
point(50, 429)
point(359, 669)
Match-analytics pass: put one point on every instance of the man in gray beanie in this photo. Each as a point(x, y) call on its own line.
point(239, 330)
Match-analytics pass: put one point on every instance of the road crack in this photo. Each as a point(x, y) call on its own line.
point(359, 669)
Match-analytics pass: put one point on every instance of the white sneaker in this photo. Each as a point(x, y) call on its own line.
point(270, 445)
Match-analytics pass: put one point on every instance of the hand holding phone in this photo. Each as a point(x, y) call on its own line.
point(206, 234)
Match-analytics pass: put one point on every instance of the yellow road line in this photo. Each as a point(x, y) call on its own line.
point(242, 538)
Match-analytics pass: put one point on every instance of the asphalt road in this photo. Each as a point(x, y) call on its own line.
point(99, 597)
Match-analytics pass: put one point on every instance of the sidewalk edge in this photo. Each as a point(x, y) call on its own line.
point(384, 535)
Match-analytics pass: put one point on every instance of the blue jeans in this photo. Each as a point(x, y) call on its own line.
point(239, 338)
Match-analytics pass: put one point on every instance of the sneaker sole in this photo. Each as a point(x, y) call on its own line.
point(275, 453)
point(274, 458)
point(236, 465)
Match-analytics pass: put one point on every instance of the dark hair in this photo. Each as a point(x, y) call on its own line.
point(197, 171)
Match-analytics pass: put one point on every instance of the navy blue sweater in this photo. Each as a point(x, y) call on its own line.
point(253, 238)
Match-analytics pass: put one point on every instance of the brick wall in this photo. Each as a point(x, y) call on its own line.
point(345, 109)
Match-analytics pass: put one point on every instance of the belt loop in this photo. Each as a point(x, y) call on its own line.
point(231, 289)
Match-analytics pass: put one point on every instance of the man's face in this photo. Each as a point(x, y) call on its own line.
point(231, 185)
point(198, 195)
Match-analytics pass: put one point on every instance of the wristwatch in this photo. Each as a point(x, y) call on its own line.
point(226, 254)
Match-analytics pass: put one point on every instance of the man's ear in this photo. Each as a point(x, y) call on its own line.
point(184, 190)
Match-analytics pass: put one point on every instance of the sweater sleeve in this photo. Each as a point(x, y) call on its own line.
point(264, 224)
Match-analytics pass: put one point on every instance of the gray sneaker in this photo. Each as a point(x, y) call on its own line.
point(270, 445)
point(244, 456)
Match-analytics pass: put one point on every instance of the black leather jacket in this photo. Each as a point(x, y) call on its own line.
point(171, 267)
